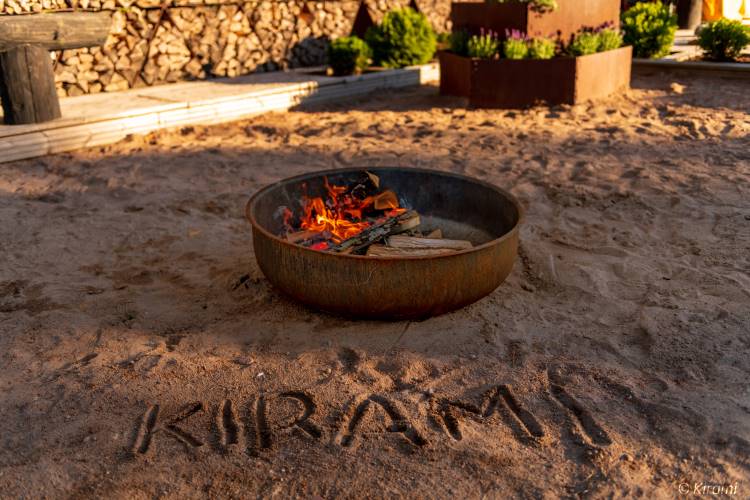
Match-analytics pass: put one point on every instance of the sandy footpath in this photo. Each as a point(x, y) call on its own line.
point(144, 355)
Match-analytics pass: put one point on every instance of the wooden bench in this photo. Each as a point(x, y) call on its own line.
point(27, 79)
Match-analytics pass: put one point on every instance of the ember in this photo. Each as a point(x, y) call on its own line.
point(361, 218)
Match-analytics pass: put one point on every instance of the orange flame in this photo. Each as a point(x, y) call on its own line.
point(342, 214)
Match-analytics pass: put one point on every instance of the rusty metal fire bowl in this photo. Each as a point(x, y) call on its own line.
point(394, 288)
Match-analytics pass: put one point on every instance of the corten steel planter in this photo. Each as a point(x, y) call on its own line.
point(394, 288)
point(455, 74)
point(569, 17)
point(505, 83)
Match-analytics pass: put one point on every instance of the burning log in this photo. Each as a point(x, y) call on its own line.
point(385, 200)
point(366, 186)
point(347, 218)
point(302, 236)
point(400, 223)
point(308, 238)
point(358, 218)
point(411, 242)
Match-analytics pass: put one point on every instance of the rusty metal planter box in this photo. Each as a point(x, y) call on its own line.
point(455, 74)
point(570, 16)
point(505, 83)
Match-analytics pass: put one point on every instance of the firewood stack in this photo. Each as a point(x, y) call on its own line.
point(151, 47)
point(197, 39)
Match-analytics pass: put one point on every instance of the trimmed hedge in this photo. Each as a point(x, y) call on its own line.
point(650, 28)
point(404, 38)
point(348, 55)
point(723, 40)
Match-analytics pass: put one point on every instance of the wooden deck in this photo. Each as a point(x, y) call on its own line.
point(98, 119)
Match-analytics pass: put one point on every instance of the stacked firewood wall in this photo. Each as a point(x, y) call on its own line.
point(154, 42)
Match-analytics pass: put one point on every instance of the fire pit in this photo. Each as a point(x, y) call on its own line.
point(457, 243)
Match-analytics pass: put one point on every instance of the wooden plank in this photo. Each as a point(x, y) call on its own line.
point(26, 146)
point(386, 251)
point(88, 122)
point(97, 134)
point(56, 31)
point(27, 86)
point(414, 242)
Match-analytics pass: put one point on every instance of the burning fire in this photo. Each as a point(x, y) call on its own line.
point(345, 212)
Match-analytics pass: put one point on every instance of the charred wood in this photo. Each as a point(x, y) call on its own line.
point(372, 234)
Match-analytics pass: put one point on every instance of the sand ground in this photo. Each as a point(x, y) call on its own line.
point(144, 355)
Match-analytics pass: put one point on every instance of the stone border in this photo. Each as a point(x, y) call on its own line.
point(140, 111)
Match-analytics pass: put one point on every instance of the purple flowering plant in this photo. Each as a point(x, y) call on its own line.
point(486, 45)
point(515, 45)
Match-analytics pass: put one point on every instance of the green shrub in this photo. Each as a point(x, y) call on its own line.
point(583, 44)
point(516, 45)
point(403, 39)
point(443, 38)
point(609, 39)
point(348, 55)
point(723, 40)
point(484, 46)
point(541, 48)
point(459, 43)
point(649, 27)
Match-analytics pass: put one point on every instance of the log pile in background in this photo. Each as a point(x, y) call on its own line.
point(154, 42)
